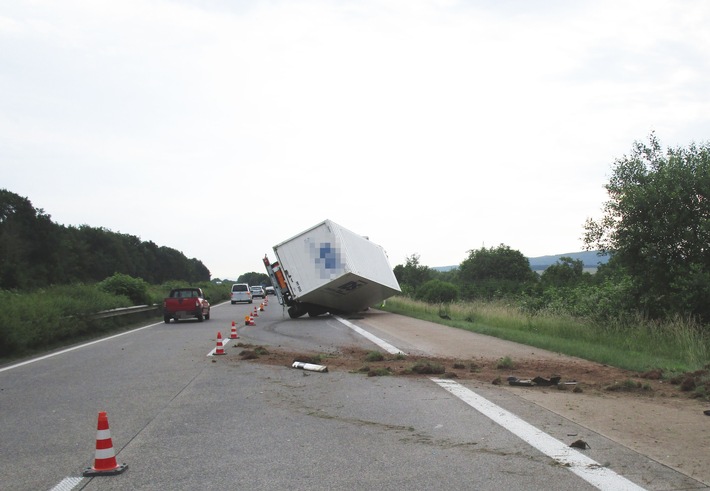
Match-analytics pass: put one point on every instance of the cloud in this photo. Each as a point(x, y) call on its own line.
point(432, 126)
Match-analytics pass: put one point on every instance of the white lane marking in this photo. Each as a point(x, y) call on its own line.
point(225, 342)
point(584, 467)
point(17, 365)
point(379, 342)
point(51, 355)
point(67, 484)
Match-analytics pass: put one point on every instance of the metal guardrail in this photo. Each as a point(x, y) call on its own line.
point(125, 311)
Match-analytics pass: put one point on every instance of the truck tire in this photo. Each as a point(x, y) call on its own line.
point(200, 317)
point(296, 311)
point(166, 318)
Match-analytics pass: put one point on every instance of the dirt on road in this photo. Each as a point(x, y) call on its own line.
point(641, 411)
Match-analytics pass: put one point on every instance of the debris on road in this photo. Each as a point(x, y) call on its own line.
point(309, 366)
point(580, 444)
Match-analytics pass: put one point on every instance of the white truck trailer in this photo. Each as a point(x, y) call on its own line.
point(328, 268)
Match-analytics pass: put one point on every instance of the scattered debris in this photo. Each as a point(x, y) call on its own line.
point(537, 381)
point(580, 444)
point(546, 382)
point(309, 366)
point(520, 383)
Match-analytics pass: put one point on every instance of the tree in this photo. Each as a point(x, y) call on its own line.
point(253, 278)
point(412, 275)
point(565, 272)
point(656, 224)
point(437, 291)
point(495, 272)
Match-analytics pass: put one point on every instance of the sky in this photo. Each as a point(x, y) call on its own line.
point(222, 128)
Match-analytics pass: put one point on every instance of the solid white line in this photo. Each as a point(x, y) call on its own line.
point(33, 360)
point(67, 484)
point(586, 468)
point(379, 342)
point(225, 341)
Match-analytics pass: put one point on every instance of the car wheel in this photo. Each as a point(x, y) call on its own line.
point(166, 318)
point(207, 315)
point(200, 317)
point(233, 302)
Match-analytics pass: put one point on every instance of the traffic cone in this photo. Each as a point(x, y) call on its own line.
point(234, 334)
point(219, 350)
point(247, 318)
point(256, 312)
point(105, 456)
point(251, 321)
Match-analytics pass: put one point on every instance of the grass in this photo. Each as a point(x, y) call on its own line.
point(63, 314)
point(674, 346)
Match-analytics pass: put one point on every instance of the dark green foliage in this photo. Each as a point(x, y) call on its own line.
point(123, 285)
point(412, 275)
point(495, 273)
point(35, 252)
point(255, 279)
point(566, 272)
point(437, 291)
point(656, 224)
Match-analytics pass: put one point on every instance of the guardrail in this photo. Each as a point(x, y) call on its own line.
point(125, 311)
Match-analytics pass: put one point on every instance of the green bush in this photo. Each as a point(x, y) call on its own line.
point(135, 289)
point(437, 291)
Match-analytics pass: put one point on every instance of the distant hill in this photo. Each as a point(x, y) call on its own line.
point(590, 259)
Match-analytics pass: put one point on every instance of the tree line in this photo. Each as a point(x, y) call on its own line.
point(36, 252)
point(655, 227)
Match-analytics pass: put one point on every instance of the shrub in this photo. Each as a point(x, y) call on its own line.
point(437, 291)
point(122, 284)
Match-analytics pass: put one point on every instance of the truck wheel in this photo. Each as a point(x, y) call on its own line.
point(296, 311)
point(200, 317)
point(207, 315)
point(166, 318)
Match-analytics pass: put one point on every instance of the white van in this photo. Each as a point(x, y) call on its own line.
point(241, 293)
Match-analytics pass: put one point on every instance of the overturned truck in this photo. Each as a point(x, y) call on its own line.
point(329, 269)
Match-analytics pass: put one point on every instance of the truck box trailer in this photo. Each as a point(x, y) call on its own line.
point(328, 268)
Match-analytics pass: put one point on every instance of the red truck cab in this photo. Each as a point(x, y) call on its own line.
point(183, 303)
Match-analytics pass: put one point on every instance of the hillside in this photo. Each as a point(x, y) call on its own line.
point(590, 259)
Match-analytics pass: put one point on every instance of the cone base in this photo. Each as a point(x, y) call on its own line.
point(91, 471)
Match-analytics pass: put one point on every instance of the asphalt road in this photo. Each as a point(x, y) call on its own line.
point(184, 420)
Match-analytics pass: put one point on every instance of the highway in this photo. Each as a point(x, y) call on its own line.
point(184, 419)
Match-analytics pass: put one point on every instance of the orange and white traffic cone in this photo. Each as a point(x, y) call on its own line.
point(219, 350)
point(234, 334)
point(256, 312)
point(251, 321)
point(105, 456)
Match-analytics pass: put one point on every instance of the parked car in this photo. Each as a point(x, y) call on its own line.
point(269, 290)
point(241, 293)
point(257, 291)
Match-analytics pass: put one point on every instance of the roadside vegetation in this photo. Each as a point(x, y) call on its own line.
point(646, 308)
point(674, 346)
point(46, 318)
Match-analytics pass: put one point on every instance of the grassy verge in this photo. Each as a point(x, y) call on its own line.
point(56, 316)
point(675, 346)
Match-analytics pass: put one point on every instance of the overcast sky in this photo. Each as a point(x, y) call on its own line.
point(221, 128)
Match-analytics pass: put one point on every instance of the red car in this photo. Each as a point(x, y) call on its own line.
point(183, 303)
